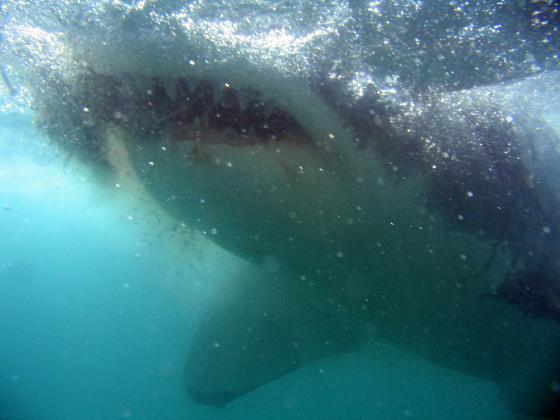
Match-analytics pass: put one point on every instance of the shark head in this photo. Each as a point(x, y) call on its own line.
point(365, 209)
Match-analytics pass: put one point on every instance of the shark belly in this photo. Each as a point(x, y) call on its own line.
point(338, 258)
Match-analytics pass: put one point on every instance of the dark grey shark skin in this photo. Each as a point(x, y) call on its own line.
point(504, 156)
point(426, 220)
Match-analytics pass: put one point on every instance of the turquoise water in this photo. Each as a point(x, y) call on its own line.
point(90, 330)
point(101, 291)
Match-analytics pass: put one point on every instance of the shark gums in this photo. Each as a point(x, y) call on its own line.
point(430, 221)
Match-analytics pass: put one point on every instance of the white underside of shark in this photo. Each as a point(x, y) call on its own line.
point(342, 254)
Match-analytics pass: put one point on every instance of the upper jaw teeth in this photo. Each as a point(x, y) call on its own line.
point(151, 105)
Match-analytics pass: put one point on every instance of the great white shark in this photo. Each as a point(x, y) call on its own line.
point(428, 220)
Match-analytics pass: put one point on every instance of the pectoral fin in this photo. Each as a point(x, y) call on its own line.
point(263, 327)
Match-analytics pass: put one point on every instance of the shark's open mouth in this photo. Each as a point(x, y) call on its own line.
point(186, 110)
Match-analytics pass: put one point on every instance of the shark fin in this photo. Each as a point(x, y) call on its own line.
point(262, 327)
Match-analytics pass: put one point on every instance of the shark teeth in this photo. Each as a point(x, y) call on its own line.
point(152, 105)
